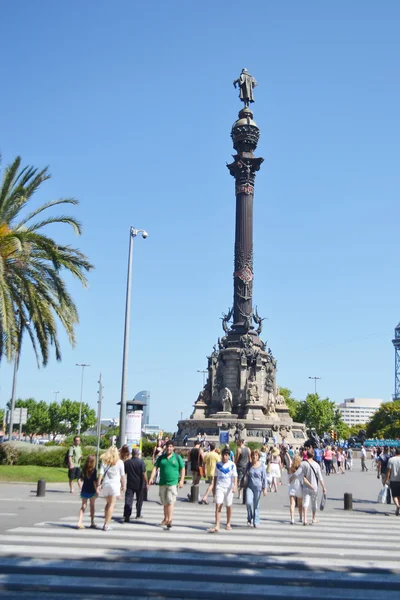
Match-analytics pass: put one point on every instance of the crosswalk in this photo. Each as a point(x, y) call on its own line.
point(345, 556)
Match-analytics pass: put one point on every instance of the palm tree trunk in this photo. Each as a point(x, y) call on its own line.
point(14, 385)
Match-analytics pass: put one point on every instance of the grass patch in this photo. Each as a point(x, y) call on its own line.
point(32, 473)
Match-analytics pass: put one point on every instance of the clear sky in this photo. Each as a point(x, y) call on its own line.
point(131, 104)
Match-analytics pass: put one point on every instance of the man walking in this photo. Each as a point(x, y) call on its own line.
point(225, 484)
point(312, 477)
point(210, 461)
point(242, 459)
point(195, 458)
point(136, 480)
point(74, 464)
point(172, 474)
point(393, 478)
point(381, 468)
point(349, 459)
point(363, 456)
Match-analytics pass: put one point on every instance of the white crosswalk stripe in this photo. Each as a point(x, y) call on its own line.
point(346, 556)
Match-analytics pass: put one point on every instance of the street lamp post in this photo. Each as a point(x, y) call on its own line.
point(122, 415)
point(83, 365)
point(315, 383)
point(56, 395)
point(204, 371)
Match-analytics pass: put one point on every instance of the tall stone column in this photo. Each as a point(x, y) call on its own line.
point(245, 135)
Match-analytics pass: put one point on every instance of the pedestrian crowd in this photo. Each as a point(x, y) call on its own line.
point(251, 473)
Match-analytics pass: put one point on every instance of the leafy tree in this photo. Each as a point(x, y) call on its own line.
point(316, 413)
point(341, 428)
point(56, 425)
point(38, 416)
point(292, 404)
point(69, 414)
point(355, 429)
point(32, 293)
point(385, 423)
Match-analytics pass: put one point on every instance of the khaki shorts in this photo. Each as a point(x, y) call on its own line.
point(168, 494)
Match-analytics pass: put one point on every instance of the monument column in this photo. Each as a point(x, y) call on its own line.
point(245, 135)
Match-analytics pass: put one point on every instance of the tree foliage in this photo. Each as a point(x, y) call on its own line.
point(320, 414)
point(33, 295)
point(57, 419)
point(385, 423)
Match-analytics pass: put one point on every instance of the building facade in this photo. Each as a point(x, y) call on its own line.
point(144, 396)
point(359, 410)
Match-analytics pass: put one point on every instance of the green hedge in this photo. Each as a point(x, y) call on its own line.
point(51, 457)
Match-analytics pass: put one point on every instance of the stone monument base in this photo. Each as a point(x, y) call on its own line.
point(271, 428)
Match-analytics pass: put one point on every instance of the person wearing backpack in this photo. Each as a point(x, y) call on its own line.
point(74, 458)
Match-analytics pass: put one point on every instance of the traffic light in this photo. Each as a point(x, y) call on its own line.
point(332, 432)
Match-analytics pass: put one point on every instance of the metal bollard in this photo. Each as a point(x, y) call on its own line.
point(41, 488)
point(348, 501)
point(194, 493)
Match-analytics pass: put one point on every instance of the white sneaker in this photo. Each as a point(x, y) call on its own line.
point(292, 521)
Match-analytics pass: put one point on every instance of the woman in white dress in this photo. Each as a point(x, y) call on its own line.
point(275, 468)
point(112, 472)
point(295, 489)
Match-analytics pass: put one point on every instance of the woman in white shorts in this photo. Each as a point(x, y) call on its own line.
point(112, 471)
point(295, 489)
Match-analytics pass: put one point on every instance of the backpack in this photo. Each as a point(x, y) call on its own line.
point(66, 458)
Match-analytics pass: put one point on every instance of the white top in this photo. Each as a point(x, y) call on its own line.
point(111, 485)
point(225, 474)
point(394, 466)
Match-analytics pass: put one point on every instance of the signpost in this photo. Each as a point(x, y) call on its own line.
point(20, 417)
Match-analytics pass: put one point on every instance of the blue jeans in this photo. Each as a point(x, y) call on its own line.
point(252, 504)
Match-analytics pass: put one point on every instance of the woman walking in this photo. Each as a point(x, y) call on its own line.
point(113, 482)
point(295, 489)
point(340, 461)
point(328, 460)
point(263, 455)
point(124, 453)
point(275, 468)
point(256, 484)
point(89, 490)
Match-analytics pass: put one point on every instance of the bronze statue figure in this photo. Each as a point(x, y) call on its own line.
point(246, 83)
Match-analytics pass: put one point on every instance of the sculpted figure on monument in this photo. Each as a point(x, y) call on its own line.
point(258, 321)
point(252, 392)
point(226, 400)
point(246, 83)
point(270, 403)
point(225, 320)
point(200, 397)
point(280, 400)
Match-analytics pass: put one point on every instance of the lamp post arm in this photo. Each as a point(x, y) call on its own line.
point(122, 414)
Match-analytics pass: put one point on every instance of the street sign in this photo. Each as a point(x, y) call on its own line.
point(224, 437)
point(219, 423)
point(20, 416)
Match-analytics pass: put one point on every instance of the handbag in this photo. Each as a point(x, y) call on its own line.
point(383, 495)
point(244, 482)
point(323, 502)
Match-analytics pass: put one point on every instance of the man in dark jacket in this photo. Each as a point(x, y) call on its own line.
point(136, 481)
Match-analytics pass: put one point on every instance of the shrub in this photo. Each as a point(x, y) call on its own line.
point(39, 456)
point(147, 448)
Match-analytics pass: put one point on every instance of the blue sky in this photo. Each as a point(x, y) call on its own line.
point(131, 104)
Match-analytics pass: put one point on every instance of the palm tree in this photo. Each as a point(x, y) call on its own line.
point(33, 295)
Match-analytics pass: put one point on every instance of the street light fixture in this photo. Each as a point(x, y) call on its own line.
point(83, 365)
point(122, 415)
point(56, 394)
point(315, 383)
point(204, 371)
